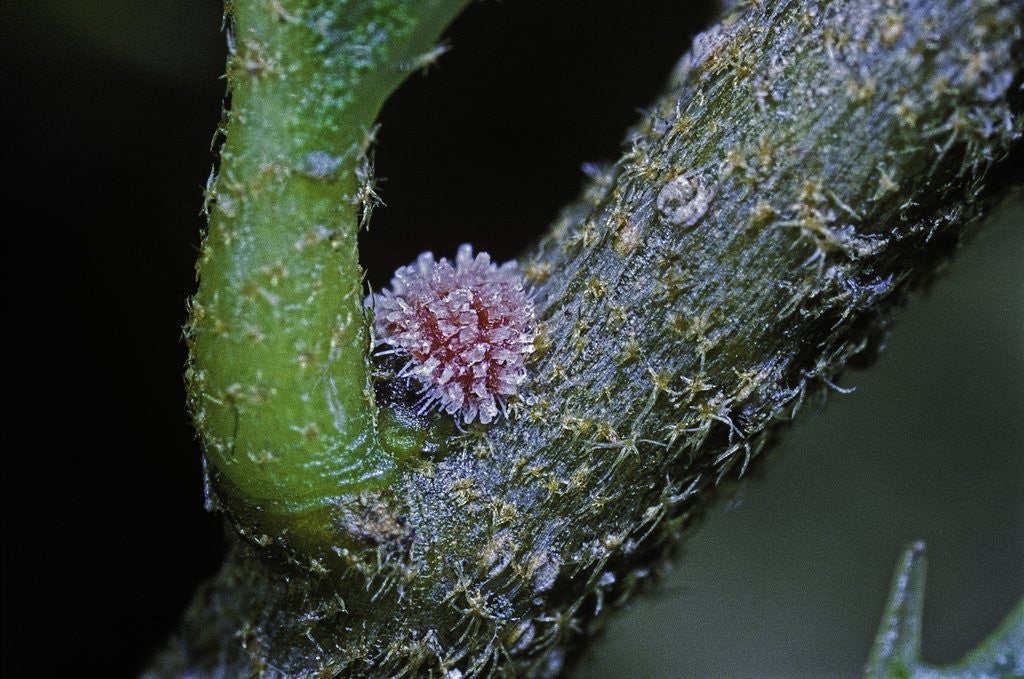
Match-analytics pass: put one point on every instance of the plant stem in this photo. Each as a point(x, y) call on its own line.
point(810, 163)
point(897, 650)
point(279, 380)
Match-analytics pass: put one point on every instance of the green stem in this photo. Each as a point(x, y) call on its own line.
point(279, 380)
point(897, 649)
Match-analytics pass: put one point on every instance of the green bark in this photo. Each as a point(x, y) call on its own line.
point(809, 164)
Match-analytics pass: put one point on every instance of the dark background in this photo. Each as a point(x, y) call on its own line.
point(108, 109)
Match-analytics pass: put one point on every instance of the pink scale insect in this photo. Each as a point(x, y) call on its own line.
point(467, 330)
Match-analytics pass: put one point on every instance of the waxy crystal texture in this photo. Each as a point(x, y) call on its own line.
point(467, 329)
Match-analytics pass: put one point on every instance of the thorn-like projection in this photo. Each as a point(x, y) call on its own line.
point(897, 649)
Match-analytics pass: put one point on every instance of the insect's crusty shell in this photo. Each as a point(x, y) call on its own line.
point(467, 330)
